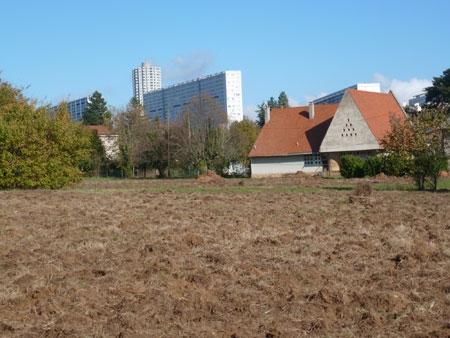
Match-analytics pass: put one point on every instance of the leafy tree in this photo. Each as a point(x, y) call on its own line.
point(283, 101)
point(419, 141)
point(395, 165)
point(243, 135)
point(429, 157)
point(439, 93)
point(39, 147)
point(158, 152)
point(97, 112)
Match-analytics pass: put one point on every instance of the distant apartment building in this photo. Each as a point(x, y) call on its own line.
point(146, 79)
point(225, 87)
point(77, 107)
point(418, 100)
point(336, 97)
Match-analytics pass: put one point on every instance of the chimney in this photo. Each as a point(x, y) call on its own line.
point(266, 113)
point(311, 110)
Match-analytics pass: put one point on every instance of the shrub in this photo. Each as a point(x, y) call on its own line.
point(372, 166)
point(352, 166)
point(393, 165)
point(39, 147)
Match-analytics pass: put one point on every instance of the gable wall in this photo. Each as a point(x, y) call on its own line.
point(348, 130)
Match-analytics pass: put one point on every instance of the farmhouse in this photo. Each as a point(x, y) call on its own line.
point(313, 138)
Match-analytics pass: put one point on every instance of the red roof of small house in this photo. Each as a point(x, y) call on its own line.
point(101, 130)
point(377, 109)
point(290, 131)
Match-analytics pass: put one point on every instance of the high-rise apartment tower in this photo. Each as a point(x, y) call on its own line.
point(226, 87)
point(146, 79)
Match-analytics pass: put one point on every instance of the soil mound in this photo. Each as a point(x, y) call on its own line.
point(381, 176)
point(444, 174)
point(302, 174)
point(210, 177)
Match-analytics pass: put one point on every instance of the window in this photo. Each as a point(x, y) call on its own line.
point(313, 159)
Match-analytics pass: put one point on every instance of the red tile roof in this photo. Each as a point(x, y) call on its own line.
point(376, 109)
point(101, 130)
point(290, 131)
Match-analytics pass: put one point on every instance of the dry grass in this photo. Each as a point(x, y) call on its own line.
point(254, 258)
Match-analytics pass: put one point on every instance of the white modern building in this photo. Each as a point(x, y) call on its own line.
point(225, 87)
point(418, 100)
point(336, 97)
point(146, 79)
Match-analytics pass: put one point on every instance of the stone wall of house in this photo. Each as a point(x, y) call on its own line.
point(348, 130)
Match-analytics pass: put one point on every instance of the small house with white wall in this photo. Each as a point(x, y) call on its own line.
point(109, 139)
point(313, 138)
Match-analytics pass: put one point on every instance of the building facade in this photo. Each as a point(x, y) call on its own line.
point(225, 87)
point(146, 79)
point(77, 107)
point(336, 97)
point(418, 100)
point(313, 139)
point(109, 139)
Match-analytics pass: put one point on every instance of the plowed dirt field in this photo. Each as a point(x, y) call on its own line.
point(279, 257)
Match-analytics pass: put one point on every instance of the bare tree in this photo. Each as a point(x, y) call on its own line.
point(200, 139)
point(133, 125)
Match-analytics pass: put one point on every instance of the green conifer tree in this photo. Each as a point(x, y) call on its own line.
point(97, 112)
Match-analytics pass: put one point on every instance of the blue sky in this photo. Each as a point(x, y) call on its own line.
point(64, 50)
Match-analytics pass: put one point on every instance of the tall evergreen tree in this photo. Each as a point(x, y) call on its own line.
point(261, 114)
point(438, 95)
point(440, 91)
point(272, 103)
point(283, 101)
point(97, 112)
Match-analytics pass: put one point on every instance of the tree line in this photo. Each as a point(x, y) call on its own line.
point(42, 147)
point(197, 140)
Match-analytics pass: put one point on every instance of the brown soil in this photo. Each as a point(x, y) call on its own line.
point(210, 177)
point(281, 257)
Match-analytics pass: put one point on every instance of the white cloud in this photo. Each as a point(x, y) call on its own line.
point(293, 102)
point(403, 90)
point(188, 67)
point(309, 98)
